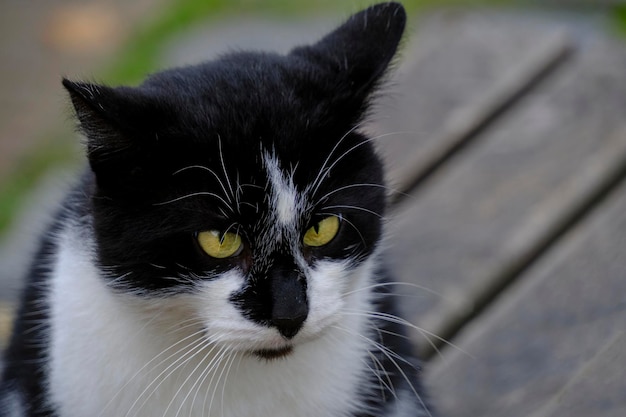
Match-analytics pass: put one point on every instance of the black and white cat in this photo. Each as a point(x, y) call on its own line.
point(222, 256)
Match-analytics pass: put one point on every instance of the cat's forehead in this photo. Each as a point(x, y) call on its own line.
point(260, 124)
point(244, 81)
point(279, 100)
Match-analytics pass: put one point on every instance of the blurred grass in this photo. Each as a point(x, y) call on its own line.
point(619, 19)
point(30, 169)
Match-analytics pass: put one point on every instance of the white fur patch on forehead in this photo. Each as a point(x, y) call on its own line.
point(285, 198)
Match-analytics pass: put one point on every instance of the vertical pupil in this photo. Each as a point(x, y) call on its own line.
point(316, 227)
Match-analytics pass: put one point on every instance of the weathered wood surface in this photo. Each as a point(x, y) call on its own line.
point(460, 72)
point(597, 388)
point(553, 344)
point(471, 230)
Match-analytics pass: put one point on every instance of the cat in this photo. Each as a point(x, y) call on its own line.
point(221, 255)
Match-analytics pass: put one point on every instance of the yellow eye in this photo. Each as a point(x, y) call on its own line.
point(323, 232)
point(220, 245)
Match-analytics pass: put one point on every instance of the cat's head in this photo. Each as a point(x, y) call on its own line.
point(244, 183)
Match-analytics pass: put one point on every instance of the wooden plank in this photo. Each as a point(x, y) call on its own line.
point(473, 228)
point(461, 71)
point(555, 341)
point(597, 389)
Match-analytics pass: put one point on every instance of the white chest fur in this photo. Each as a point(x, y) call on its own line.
point(108, 360)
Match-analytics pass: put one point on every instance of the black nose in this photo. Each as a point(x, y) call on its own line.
point(289, 304)
point(289, 327)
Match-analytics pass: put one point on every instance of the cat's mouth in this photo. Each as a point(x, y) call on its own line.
point(273, 354)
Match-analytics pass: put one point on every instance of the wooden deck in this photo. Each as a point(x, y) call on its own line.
point(506, 139)
point(515, 219)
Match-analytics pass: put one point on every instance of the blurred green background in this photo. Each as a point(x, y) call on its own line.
point(119, 42)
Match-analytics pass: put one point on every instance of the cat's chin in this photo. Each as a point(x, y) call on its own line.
point(273, 354)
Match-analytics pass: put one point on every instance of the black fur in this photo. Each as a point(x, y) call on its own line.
point(182, 153)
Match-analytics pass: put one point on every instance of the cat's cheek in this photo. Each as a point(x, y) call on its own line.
point(223, 322)
point(338, 293)
point(212, 301)
point(326, 284)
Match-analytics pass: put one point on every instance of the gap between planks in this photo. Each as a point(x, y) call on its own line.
point(603, 174)
point(467, 124)
point(463, 128)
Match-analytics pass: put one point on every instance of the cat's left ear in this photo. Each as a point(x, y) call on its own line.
point(359, 51)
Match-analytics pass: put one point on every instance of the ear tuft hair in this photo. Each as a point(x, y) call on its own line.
point(361, 49)
point(105, 116)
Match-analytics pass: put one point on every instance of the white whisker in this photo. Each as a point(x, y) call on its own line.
point(228, 366)
point(379, 372)
point(219, 358)
point(220, 182)
point(208, 370)
point(226, 378)
point(323, 171)
point(190, 390)
point(137, 373)
point(392, 356)
point(230, 187)
point(238, 191)
point(395, 283)
point(321, 199)
point(426, 335)
point(345, 206)
point(169, 370)
point(199, 193)
point(182, 385)
point(399, 320)
point(356, 229)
